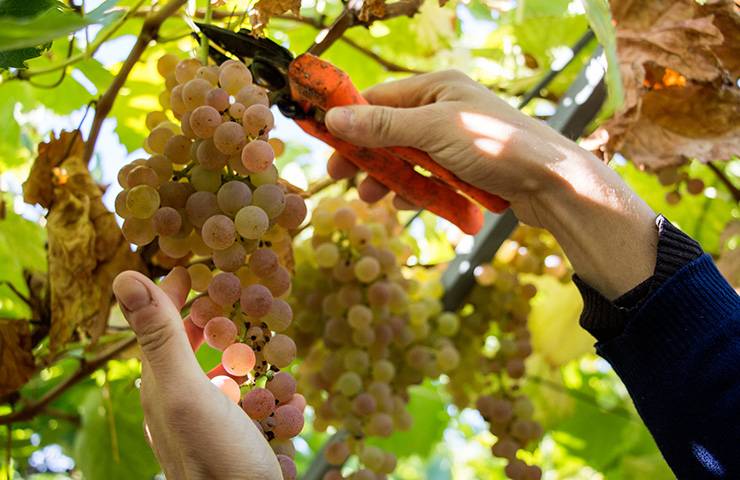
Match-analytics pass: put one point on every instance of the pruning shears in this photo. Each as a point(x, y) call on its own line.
point(304, 88)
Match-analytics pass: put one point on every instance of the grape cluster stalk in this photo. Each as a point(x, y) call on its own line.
point(364, 331)
point(209, 196)
point(490, 374)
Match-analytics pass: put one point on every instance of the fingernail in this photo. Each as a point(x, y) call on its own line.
point(341, 118)
point(132, 294)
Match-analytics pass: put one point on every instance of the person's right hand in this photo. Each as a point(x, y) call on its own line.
point(606, 230)
point(463, 126)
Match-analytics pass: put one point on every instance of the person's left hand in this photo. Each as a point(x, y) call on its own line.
point(196, 431)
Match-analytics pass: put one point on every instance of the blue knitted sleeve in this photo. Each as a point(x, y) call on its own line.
point(679, 357)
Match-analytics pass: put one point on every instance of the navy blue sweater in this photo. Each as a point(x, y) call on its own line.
point(675, 342)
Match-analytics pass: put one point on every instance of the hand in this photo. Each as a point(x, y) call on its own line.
point(462, 125)
point(606, 230)
point(195, 430)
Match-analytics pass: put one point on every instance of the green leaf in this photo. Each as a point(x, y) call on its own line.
point(600, 18)
point(430, 420)
point(49, 25)
point(21, 247)
point(17, 58)
point(111, 445)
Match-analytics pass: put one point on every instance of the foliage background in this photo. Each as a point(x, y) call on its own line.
point(93, 430)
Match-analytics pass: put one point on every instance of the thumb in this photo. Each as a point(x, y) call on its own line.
point(377, 126)
point(158, 326)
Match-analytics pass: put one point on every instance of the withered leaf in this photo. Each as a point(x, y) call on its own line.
point(264, 10)
point(679, 62)
point(40, 183)
point(372, 9)
point(86, 247)
point(16, 359)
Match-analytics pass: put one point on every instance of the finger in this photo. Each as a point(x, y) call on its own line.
point(177, 286)
point(414, 91)
point(371, 191)
point(158, 327)
point(339, 167)
point(380, 126)
point(402, 204)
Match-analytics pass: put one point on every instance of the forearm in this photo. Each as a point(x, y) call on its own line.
point(606, 230)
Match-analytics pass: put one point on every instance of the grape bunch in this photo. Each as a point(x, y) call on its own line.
point(208, 197)
point(490, 373)
point(363, 330)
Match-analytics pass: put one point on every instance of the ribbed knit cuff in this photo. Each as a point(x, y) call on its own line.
point(606, 319)
point(693, 309)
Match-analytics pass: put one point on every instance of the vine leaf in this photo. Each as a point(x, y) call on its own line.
point(266, 9)
point(679, 63)
point(16, 359)
point(86, 247)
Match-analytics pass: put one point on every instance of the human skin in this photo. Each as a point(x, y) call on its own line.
point(607, 231)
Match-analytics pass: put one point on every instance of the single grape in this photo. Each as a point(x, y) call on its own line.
point(177, 149)
point(258, 403)
point(162, 166)
point(288, 421)
point(252, 95)
point(186, 69)
point(220, 333)
point(204, 309)
point(287, 466)
point(336, 453)
point(194, 92)
point(282, 385)
point(267, 176)
point(204, 121)
point(210, 157)
point(225, 289)
point(238, 359)
point(200, 276)
point(269, 198)
point(230, 138)
point(174, 247)
point(230, 259)
point(166, 222)
point(233, 77)
point(279, 317)
point(158, 138)
point(166, 64)
point(251, 222)
point(218, 99)
point(294, 213)
point(142, 201)
point(279, 282)
point(258, 120)
point(219, 232)
point(200, 207)
point(138, 231)
point(280, 351)
point(256, 301)
point(173, 194)
point(257, 155)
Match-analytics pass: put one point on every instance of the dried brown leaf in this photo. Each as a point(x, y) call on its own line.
point(86, 247)
point(16, 359)
point(264, 10)
point(41, 179)
point(679, 62)
point(372, 9)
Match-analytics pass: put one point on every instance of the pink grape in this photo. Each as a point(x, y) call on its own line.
point(166, 222)
point(204, 309)
point(257, 156)
point(230, 259)
point(288, 467)
point(263, 262)
point(238, 359)
point(288, 421)
point(256, 301)
point(230, 138)
point(218, 99)
point(279, 317)
point(252, 95)
point(258, 120)
point(219, 232)
point(293, 213)
point(282, 385)
point(220, 332)
point(224, 289)
point(279, 282)
point(204, 120)
point(258, 403)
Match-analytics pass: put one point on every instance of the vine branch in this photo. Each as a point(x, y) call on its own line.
point(726, 181)
point(149, 32)
point(41, 404)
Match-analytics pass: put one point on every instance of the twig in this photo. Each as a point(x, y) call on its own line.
point(39, 405)
point(149, 32)
point(72, 418)
point(726, 181)
point(389, 66)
